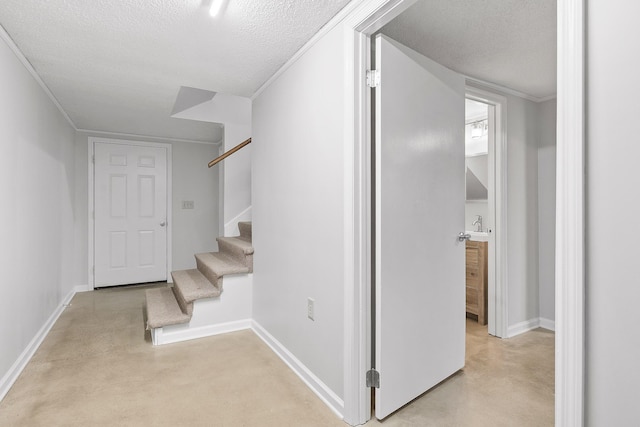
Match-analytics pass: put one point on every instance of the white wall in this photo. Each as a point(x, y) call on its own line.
point(522, 209)
point(613, 212)
point(192, 230)
point(37, 192)
point(298, 209)
point(547, 208)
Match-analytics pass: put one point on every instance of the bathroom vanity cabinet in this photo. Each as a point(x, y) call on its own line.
point(476, 256)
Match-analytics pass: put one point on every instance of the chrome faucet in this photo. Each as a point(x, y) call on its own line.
point(478, 222)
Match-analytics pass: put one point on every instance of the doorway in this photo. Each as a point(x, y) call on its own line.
point(360, 25)
point(478, 217)
point(495, 227)
point(495, 106)
point(419, 201)
point(419, 224)
point(129, 211)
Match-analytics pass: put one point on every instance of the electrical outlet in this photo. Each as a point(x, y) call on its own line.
point(187, 204)
point(310, 314)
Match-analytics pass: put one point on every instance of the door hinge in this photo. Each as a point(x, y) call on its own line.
point(93, 159)
point(373, 378)
point(373, 78)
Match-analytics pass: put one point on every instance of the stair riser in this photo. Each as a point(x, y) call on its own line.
point(245, 229)
point(162, 309)
point(236, 253)
point(249, 262)
point(209, 274)
point(186, 307)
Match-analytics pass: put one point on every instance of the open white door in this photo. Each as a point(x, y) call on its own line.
point(420, 269)
point(130, 206)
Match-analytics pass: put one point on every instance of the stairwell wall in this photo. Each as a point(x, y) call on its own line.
point(234, 113)
point(298, 209)
point(37, 177)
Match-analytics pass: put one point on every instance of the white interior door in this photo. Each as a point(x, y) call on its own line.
point(420, 194)
point(130, 194)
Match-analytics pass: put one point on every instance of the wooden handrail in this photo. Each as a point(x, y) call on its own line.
point(221, 157)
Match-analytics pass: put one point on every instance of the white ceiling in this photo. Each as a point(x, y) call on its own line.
point(511, 43)
point(118, 65)
point(475, 110)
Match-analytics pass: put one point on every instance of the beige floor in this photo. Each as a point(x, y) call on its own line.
point(504, 383)
point(97, 367)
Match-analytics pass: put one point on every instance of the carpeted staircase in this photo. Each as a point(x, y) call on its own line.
point(174, 305)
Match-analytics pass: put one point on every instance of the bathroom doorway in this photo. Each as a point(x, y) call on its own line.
point(478, 220)
point(484, 184)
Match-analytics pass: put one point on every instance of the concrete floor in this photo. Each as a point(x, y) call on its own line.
point(97, 367)
point(504, 383)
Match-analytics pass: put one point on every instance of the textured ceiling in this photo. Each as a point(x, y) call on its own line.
point(117, 65)
point(511, 43)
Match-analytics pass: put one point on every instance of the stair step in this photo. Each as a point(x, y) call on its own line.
point(192, 285)
point(238, 248)
point(236, 244)
point(245, 229)
point(213, 265)
point(163, 309)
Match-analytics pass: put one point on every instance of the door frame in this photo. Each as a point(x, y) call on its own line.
point(92, 140)
point(363, 20)
point(498, 296)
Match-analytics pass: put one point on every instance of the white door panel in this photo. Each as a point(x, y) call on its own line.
point(130, 214)
point(420, 270)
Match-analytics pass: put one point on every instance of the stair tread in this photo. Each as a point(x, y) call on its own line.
point(242, 243)
point(193, 285)
point(163, 309)
point(221, 264)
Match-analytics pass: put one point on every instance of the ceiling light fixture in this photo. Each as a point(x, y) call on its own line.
point(216, 5)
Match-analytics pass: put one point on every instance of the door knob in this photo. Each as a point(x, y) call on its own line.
point(463, 236)
point(163, 223)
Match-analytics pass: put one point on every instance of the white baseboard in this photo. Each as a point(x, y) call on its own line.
point(327, 395)
point(548, 324)
point(83, 288)
point(522, 327)
point(16, 369)
point(528, 325)
point(166, 335)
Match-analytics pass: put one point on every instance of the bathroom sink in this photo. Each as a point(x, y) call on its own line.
point(478, 236)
